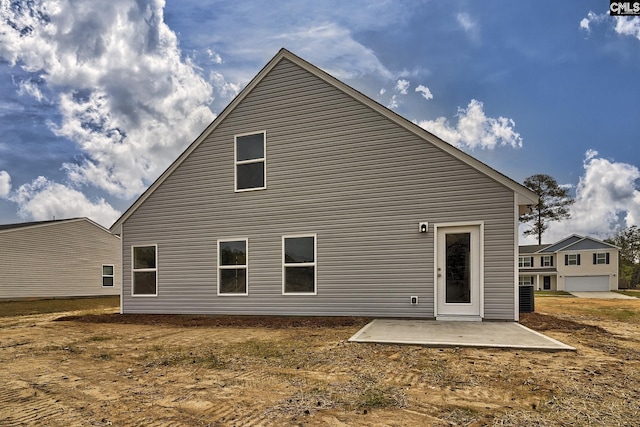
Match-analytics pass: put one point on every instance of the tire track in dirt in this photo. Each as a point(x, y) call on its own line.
point(22, 404)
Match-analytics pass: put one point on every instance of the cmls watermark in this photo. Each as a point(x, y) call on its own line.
point(624, 8)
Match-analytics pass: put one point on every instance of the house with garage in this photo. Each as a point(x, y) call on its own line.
point(576, 263)
point(305, 197)
point(58, 259)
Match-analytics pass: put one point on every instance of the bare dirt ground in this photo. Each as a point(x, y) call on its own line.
point(100, 368)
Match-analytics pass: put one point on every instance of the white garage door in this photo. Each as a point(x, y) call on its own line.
point(587, 283)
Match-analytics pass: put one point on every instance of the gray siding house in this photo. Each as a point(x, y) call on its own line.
point(58, 259)
point(305, 197)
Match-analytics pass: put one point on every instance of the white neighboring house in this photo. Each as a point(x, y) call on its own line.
point(576, 263)
point(58, 259)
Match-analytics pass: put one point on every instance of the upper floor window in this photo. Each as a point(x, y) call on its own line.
point(547, 260)
point(251, 161)
point(525, 261)
point(572, 259)
point(601, 258)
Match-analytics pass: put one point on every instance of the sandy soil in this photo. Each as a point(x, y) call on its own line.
point(75, 369)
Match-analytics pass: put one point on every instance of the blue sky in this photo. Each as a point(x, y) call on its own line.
point(96, 102)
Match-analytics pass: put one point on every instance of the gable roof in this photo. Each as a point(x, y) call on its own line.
point(531, 249)
point(575, 242)
point(523, 194)
point(6, 228)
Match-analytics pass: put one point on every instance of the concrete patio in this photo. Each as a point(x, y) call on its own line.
point(432, 333)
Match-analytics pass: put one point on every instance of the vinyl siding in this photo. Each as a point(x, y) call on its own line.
point(335, 168)
point(58, 260)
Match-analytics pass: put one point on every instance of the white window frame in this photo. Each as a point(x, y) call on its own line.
point(313, 264)
point(113, 276)
point(546, 261)
point(142, 270)
point(521, 262)
point(262, 159)
point(572, 259)
point(234, 267)
point(529, 280)
point(601, 256)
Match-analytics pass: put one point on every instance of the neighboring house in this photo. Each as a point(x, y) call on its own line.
point(305, 197)
point(576, 263)
point(59, 258)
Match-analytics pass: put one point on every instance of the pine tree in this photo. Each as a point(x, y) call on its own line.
point(553, 204)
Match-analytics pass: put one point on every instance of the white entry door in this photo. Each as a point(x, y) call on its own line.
point(458, 273)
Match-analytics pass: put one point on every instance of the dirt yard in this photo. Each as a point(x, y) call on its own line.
point(98, 368)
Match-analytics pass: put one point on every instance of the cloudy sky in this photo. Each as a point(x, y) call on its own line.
point(95, 102)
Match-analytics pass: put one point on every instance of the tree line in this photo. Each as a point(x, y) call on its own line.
point(553, 204)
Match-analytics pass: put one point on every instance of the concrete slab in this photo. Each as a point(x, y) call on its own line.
point(432, 333)
point(604, 295)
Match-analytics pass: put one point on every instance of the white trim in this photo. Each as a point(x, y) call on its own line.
point(113, 275)
point(142, 270)
point(313, 264)
point(516, 253)
point(122, 272)
point(233, 267)
point(480, 225)
point(237, 162)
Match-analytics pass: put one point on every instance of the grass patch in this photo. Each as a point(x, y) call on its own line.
point(630, 293)
point(99, 338)
point(25, 308)
point(552, 294)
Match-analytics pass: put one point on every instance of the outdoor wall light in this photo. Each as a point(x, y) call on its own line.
point(423, 226)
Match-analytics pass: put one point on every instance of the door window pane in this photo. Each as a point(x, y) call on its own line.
point(458, 268)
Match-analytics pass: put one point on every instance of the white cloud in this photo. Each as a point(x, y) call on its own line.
point(468, 25)
point(628, 26)
point(393, 102)
point(43, 200)
point(383, 91)
point(474, 129)
point(333, 48)
point(5, 184)
point(402, 86)
point(31, 88)
point(623, 25)
point(465, 21)
point(126, 96)
point(606, 198)
point(215, 58)
point(425, 92)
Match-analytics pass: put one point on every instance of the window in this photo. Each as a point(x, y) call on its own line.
point(547, 260)
point(572, 259)
point(601, 258)
point(525, 261)
point(107, 275)
point(299, 265)
point(145, 271)
point(250, 159)
point(525, 280)
point(232, 267)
